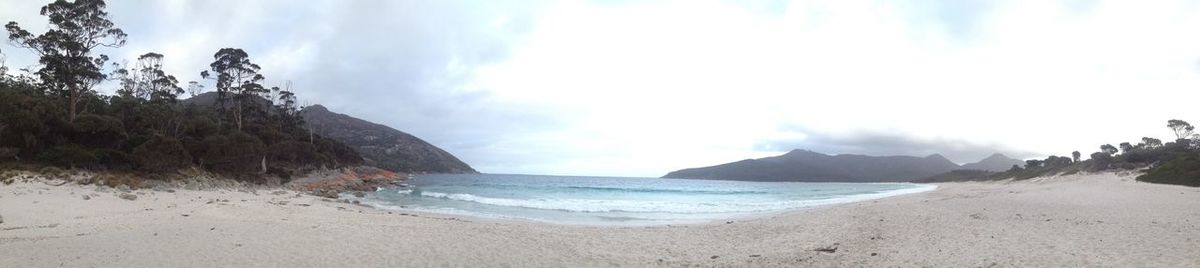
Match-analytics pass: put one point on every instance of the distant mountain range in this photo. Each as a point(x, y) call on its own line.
point(809, 166)
point(379, 145)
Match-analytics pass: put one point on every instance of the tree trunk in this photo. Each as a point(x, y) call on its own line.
point(72, 100)
point(238, 116)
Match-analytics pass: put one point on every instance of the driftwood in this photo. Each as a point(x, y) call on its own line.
point(829, 249)
point(53, 182)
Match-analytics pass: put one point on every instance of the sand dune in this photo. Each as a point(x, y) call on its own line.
point(1081, 220)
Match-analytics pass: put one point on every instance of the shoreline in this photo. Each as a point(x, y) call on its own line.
point(1077, 220)
point(742, 216)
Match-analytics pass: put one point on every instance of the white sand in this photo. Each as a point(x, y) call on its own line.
point(1093, 220)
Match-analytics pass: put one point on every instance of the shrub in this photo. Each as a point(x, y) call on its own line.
point(98, 130)
point(234, 153)
point(113, 159)
point(161, 154)
point(293, 153)
point(8, 153)
point(69, 155)
point(1184, 170)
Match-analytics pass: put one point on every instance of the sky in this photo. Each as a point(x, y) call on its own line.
point(641, 88)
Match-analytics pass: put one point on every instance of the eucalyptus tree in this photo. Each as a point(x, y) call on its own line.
point(70, 68)
point(147, 80)
point(237, 79)
point(3, 67)
point(195, 88)
point(1108, 149)
point(1181, 128)
point(1150, 143)
point(1125, 147)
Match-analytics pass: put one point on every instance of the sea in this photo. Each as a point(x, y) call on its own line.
point(579, 200)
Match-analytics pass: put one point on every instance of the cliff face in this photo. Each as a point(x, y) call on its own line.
point(808, 166)
point(382, 146)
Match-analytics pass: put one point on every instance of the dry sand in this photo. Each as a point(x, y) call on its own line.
point(1081, 220)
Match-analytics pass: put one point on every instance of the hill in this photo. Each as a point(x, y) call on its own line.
point(994, 163)
point(809, 166)
point(382, 146)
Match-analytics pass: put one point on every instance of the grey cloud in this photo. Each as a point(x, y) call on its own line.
point(405, 64)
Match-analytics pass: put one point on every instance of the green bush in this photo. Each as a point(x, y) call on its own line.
point(293, 153)
point(1184, 170)
point(236, 152)
point(161, 154)
point(98, 130)
point(70, 155)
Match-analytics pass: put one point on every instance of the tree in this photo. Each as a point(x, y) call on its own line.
point(1056, 161)
point(1181, 128)
point(1150, 143)
point(3, 67)
point(1033, 163)
point(146, 80)
point(1101, 160)
point(236, 76)
point(194, 88)
point(1075, 156)
point(68, 67)
point(1108, 149)
point(1125, 147)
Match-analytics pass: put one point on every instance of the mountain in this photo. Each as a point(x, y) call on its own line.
point(382, 146)
point(379, 145)
point(995, 163)
point(809, 166)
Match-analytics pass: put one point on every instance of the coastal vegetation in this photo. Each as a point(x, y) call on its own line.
point(1173, 162)
point(54, 115)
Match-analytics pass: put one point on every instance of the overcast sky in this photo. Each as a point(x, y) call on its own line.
point(641, 88)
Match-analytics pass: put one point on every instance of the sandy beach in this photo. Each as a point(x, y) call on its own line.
point(1079, 220)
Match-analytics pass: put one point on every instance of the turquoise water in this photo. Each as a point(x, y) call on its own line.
point(618, 201)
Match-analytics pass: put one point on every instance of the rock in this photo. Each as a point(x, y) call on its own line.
point(326, 193)
point(280, 192)
point(359, 194)
point(87, 197)
point(128, 196)
point(1, 219)
point(713, 257)
point(123, 188)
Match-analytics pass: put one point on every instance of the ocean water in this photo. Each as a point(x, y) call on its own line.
point(618, 201)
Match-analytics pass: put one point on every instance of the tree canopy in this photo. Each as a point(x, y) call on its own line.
point(55, 117)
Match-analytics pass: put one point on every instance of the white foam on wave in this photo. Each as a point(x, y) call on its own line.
point(679, 207)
